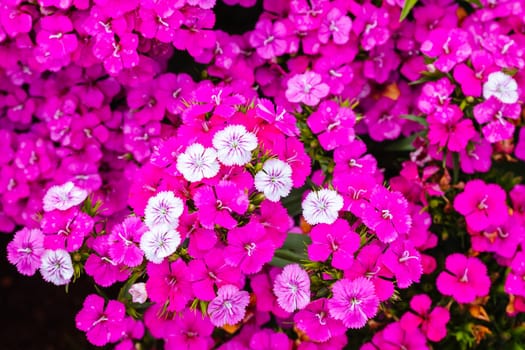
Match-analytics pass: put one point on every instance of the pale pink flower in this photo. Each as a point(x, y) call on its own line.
point(198, 162)
point(138, 293)
point(307, 88)
point(274, 180)
point(159, 242)
point(234, 145)
point(292, 288)
point(501, 86)
point(56, 267)
point(322, 207)
point(64, 197)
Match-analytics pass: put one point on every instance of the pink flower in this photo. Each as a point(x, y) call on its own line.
point(229, 307)
point(335, 25)
point(515, 282)
point(465, 278)
point(354, 302)
point(191, 331)
point(495, 115)
point(482, 205)
point(404, 261)
point(249, 248)
point(277, 116)
point(433, 323)
point(63, 197)
point(449, 46)
point(315, 320)
point(102, 325)
point(25, 250)
point(333, 124)
point(292, 288)
point(337, 240)
point(124, 242)
point(307, 88)
point(449, 129)
point(269, 38)
point(169, 283)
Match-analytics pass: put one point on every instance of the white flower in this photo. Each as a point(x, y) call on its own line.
point(234, 145)
point(274, 180)
point(64, 197)
point(501, 86)
point(322, 207)
point(159, 242)
point(56, 267)
point(198, 162)
point(163, 209)
point(138, 293)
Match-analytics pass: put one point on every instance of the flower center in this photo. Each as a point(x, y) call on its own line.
point(320, 316)
point(464, 278)
point(250, 248)
point(406, 256)
point(483, 204)
point(385, 214)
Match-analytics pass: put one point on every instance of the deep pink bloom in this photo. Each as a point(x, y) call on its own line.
point(336, 239)
point(269, 38)
point(476, 157)
point(471, 79)
point(387, 214)
point(307, 88)
point(404, 261)
point(266, 339)
point(169, 283)
point(229, 307)
point(435, 95)
point(217, 204)
point(133, 329)
point(315, 320)
point(482, 204)
point(189, 332)
point(101, 267)
point(515, 282)
point(449, 46)
point(66, 229)
point(433, 323)
point(292, 288)
point(249, 248)
point(335, 25)
point(354, 302)
point(465, 278)
point(102, 324)
point(25, 250)
point(333, 125)
point(449, 129)
point(394, 337)
point(371, 24)
point(277, 116)
point(124, 242)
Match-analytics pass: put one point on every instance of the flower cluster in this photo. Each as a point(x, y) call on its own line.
point(339, 165)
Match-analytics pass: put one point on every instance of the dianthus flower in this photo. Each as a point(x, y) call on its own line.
point(322, 207)
point(163, 209)
point(335, 25)
point(56, 267)
point(277, 116)
point(234, 145)
point(169, 283)
point(515, 282)
point(337, 240)
point(269, 39)
point(307, 88)
point(266, 339)
point(387, 214)
point(159, 243)
point(124, 240)
point(465, 279)
point(354, 302)
point(433, 323)
point(404, 261)
point(449, 46)
point(502, 86)
point(482, 204)
point(63, 197)
point(191, 331)
point(449, 129)
point(495, 115)
point(99, 265)
point(198, 162)
point(229, 307)
point(333, 124)
point(292, 288)
point(102, 324)
point(274, 180)
point(315, 320)
point(25, 250)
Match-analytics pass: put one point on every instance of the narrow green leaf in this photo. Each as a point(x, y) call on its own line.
point(409, 5)
point(415, 118)
point(402, 145)
point(476, 2)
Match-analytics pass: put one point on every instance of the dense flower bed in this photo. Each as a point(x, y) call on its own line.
point(341, 174)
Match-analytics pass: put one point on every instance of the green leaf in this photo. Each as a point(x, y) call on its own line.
point(415, 118)
point(409, 5)
point(402, 145)
point(475, 2)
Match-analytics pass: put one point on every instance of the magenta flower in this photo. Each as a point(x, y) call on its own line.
point(307, 88)
point(315, 320)
point(482, 205)
point(99, 265)
point(102, 324)
point(471, 79)
point(133, 329)
point(449, 129)
point(394, 337)
point(229, 307)
point(449, 46)
point(211, 272)
point(337, 240)
point(333, 125)
point(387, 214)
point(335, 25)
point(433, 323)
point(476, 157)
point(494, 114)
point(515, 282)
point(189, 332)
point(25, 250)
point(169, 283)
point(117, 54)
point(124, 242)
point(66, 229)
point(217, 204)
point(354, 302)
point(292, 288)
point(269, 39)
point(249, 248)
point(465, 278)
point(266, 339)
point(404, 261)
point(371, 24)
point(277, 116)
